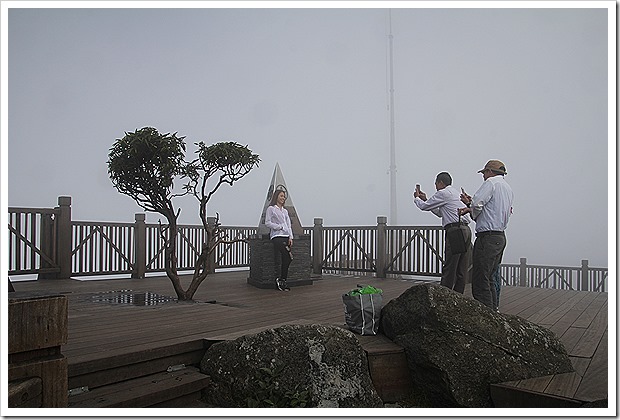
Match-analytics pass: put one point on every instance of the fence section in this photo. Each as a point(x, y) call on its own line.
point(190, 239)
point(102, 248)
point(416, 250)
point(32, 241)
point(236, 254)
point(189, 245)
point(48, 243)
point(349, 248)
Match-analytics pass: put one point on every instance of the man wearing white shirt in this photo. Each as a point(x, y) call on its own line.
point(490, 207)
point(445, 204)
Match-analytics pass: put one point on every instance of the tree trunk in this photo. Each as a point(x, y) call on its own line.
point(171, 258)
point(202, 267)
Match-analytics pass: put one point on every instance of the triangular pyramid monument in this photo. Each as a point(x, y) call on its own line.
point(277, 182)
point(264, 263)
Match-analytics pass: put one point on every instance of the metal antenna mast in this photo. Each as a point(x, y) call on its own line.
point(393, 212)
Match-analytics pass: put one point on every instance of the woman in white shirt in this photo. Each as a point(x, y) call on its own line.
point(281, 234)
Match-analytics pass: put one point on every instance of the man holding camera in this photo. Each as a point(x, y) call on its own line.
point(445, 203)
point(490, 207)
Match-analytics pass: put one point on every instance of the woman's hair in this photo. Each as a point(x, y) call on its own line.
point(274, 197)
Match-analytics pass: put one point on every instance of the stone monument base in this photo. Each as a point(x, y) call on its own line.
point(264, 270)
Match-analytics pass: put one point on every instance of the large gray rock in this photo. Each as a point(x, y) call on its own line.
point(456, 347)
point(325, 361)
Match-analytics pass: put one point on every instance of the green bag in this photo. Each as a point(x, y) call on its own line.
point(362, 309)
point(365, 290)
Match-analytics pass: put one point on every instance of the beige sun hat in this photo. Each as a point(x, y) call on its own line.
point(496, 166)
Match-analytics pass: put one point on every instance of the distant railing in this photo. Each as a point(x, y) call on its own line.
point(48, 243)
point(570, 278)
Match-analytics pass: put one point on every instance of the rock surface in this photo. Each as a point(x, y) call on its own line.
point(325, 361)
point(456, 347)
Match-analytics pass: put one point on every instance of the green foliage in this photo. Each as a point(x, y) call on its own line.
point(230, 160)
point(270, 394)
point(227, 156)
point(144, 165)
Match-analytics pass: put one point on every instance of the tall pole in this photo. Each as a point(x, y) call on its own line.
point(393, 212)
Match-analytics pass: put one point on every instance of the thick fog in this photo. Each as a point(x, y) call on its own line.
point(308, 88)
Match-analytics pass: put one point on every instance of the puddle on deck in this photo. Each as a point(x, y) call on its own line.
point(129, 297)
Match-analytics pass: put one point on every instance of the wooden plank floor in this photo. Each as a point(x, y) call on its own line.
point(228, 307)
point(579, 319)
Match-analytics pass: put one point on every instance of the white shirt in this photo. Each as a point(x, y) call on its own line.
point(445, 204)
point(491, 205)
point(278, 222)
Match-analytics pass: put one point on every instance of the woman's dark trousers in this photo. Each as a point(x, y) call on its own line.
point(279, 247)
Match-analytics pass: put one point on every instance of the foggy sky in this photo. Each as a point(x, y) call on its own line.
point(308, 89)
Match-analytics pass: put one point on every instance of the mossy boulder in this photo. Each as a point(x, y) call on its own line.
point(456, 347)
point(292, 365)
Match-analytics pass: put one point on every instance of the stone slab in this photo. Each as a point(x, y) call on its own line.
point(263, 267)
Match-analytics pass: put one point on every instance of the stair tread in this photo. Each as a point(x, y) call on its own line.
point(143, 391)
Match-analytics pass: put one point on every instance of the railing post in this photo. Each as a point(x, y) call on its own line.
point(381, 252)
point(211, 221)
point(317, 246)
point(139, 264)
point(523, 272)
point(585, 275)
point(64, 237)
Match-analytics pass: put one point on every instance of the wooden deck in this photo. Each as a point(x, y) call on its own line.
point(112, 318)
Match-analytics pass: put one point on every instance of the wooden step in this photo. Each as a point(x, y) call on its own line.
point(121, 367)
point(514, 395)
point(26, 392)
point(164, 389)
point(388, 367)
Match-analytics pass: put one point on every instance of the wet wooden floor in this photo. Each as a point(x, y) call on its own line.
point(109, 318)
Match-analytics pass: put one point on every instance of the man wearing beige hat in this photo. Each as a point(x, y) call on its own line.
point(490, 207)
